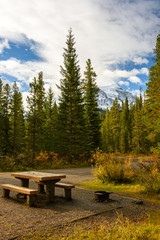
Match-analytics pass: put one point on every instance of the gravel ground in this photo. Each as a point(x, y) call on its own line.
point(17, 219)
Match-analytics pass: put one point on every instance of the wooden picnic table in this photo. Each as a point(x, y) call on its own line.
point(49, 179)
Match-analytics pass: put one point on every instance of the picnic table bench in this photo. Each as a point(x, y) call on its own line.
point(67, 188)
point(31, 193)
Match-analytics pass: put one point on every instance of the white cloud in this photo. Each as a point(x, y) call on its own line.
point(125, 83)
point(134, 79)
point(140, 60)
point(145, 71)
point(108, 32)
point(24, 97)
point(4, 44)
point(131, 76)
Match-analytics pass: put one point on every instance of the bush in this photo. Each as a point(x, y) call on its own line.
point(12, 163)
point(149, 177)
point(48, 160)
point(109, 169)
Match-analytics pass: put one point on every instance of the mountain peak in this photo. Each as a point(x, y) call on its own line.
point(107, 94)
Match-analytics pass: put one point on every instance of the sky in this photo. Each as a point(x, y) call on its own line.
point(117, 35)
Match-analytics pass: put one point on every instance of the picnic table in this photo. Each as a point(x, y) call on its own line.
point(48, 179)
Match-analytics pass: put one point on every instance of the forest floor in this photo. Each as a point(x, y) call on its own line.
point(18, 221)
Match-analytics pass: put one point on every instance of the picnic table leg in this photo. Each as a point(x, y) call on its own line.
point(50, 190)
point(68, 194)
point(41, 188)
point(24, 183)
point(31, 200)
point(5, 193)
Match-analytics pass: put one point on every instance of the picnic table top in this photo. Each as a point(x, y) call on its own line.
point(41, 176)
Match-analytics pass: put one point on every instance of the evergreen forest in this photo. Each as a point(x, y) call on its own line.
point(75, 127)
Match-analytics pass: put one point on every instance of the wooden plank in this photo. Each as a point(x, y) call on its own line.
point(64, 185)
point(23, 190)
point(41, 176)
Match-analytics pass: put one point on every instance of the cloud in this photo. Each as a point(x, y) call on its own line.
point(144, 71)
point(123, 83)
point(134, 79)
point(4, 44)
point(108, 32)
point(140, 60)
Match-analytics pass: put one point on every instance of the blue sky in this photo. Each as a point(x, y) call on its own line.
point(117, 35)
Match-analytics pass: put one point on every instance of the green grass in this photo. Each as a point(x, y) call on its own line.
point(122, 229)
point(119, 188)
point(129, 189)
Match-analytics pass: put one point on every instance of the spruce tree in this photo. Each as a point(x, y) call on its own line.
point(106, 133)
point(115, 126)
point(51, 121)
point(92, 111)
point(40, 113)
point(124, 125)
point(1, 119)
point(31, 130)
point(153, 97)
point(5, 147)
point(71, 109)
point(138, 134)
point(17, 131)
point(35, 125)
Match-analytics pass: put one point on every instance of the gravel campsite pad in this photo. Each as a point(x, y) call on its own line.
point(17, 219)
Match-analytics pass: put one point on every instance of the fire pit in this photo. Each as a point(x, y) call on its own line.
point(101, 196)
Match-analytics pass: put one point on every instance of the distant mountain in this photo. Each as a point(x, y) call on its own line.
point(108, 93)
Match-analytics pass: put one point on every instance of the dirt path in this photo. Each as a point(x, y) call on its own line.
point(17, 219)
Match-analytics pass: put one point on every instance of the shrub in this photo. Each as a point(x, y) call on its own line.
point(48, 160)
point(109, 169)
point(149, 177)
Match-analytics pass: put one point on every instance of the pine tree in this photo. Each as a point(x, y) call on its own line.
point(131, 125)
point(106, 133)
point(40, 113)
point(153, 97)
point(115, 126)
point(17, 131)
point(92, 111)
point(31, 130)
point(4, 118)
point(51, 113)
point(138, 135)
point(35, 125)
point(1, 119)
point(124, 134)
point(71, 110)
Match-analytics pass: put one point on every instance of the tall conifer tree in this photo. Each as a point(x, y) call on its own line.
point(115, 125)
point(124, 133)
point(17, 131)
point(31, 131)
point(51, 114)
point(138, 134)
point(153, 96)
point(35, 124)
point(106, 133)
point(4, 119)
point(71, 109)
point(92, 111)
